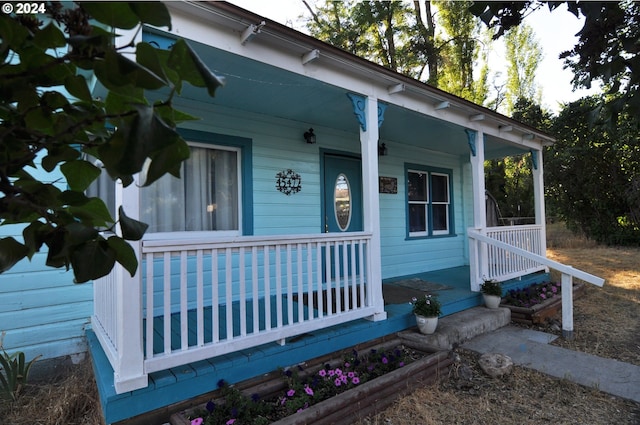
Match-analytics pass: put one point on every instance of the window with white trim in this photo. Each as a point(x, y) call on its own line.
point(205, 198)
point(429, 202)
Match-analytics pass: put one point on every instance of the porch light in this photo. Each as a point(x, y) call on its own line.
point(382, 149)
point(309, 137)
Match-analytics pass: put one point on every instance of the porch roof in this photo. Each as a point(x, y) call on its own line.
point(268, 73)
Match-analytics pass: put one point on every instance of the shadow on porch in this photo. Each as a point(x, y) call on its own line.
point(176, 385)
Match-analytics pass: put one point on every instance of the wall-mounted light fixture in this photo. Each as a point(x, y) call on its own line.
point(382, 150)
point(309, 137)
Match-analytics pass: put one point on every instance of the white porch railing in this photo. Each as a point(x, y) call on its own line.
point(505, 265)
point(204, 299)
point(478, 241)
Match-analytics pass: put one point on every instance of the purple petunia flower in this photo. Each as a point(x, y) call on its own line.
point(337, 382)
point(347, 364)
point(322, 373)
point(308, 390)
point(291, 392)
point(338, 372)
point(401, 364)
point(230, 422)
point(355, 381)
point(197, 421)
point(385, 360)
point(211, 406)
point(351, 374)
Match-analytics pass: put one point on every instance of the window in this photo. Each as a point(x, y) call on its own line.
point(206, 198)
point(429, 202)
point(214, 192)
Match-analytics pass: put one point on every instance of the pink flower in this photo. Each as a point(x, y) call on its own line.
point(351, 374)
point(291, 393)
point(308, 390)
point(197, 421)
point(337, 382)
point(355, 381)
point(322, 373)
point(338, 372)
point(230, 422)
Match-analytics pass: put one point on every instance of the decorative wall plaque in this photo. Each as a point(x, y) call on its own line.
point(288, 182)
point(387, 185)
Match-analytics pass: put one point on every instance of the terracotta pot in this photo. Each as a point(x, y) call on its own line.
point(426, 325)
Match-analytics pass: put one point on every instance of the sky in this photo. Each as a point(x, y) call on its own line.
point(555, 32)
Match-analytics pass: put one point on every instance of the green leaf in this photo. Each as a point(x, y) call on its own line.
point(168, 160)
point(76, 85)
point(79, 174)
point(92, 260)
point(125, 255)
point(113, 13)
point(186, 62)
point(132, 230)
point(11, 251)
point(154, 13)
point(117, 72)
point(58, 154)
point(49, 37)
point(94, 212)
point(34, 235)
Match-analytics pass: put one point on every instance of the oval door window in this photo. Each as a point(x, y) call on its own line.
point(342, 202)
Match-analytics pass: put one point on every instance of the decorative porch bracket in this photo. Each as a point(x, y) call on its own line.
point(568, 273)
point(359, 109)
point(471, 139)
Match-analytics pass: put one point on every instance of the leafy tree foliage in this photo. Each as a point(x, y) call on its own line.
point(593, 173)
point(524, 54)
point(383, 32)
point(509, 179)
point(608, 49)
point(44, 56)
point(459, 52)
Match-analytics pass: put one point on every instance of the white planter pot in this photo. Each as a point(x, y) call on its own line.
point(426, 325)
point(491, 301)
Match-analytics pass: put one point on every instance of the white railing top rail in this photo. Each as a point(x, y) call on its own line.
point(518, 227)
point(562, 268)
point(162, 245)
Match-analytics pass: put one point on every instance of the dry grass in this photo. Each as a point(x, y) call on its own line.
point(524, 397)
point(70, 400)
point(606, 323)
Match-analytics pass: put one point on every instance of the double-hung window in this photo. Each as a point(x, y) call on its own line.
point(428, 201)
point(206, 197)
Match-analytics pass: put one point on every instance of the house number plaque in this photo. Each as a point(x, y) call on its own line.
point(288, 182)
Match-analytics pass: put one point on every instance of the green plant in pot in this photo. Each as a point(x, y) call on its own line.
point(491, 293)
point(426, 309)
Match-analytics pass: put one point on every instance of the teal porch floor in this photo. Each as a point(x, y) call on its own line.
point(183, 383)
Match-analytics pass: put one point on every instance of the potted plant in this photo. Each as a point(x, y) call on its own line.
point(426, 310)
point(491, 293)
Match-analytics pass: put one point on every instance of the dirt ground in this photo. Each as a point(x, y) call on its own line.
point(606, 323)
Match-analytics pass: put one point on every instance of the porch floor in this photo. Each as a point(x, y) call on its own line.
point(179, 384)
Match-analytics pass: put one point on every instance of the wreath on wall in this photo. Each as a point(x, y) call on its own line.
point(288, 182)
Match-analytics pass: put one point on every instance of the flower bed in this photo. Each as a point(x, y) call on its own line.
point(537, 303)
point(335, 391)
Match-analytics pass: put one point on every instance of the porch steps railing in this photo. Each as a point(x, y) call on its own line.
point(200, 300)
point(568, 273)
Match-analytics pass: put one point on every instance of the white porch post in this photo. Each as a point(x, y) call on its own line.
point(478, 252)
point(129, 371)
point(538, 193)
point(369, 135)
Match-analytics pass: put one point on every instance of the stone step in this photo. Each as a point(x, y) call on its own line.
point(457, 328)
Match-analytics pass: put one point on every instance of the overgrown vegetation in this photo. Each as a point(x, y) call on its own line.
point(14, 372)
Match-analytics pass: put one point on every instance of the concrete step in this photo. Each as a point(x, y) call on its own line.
point(457, 328)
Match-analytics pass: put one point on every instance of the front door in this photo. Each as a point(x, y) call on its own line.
point(342, 203)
